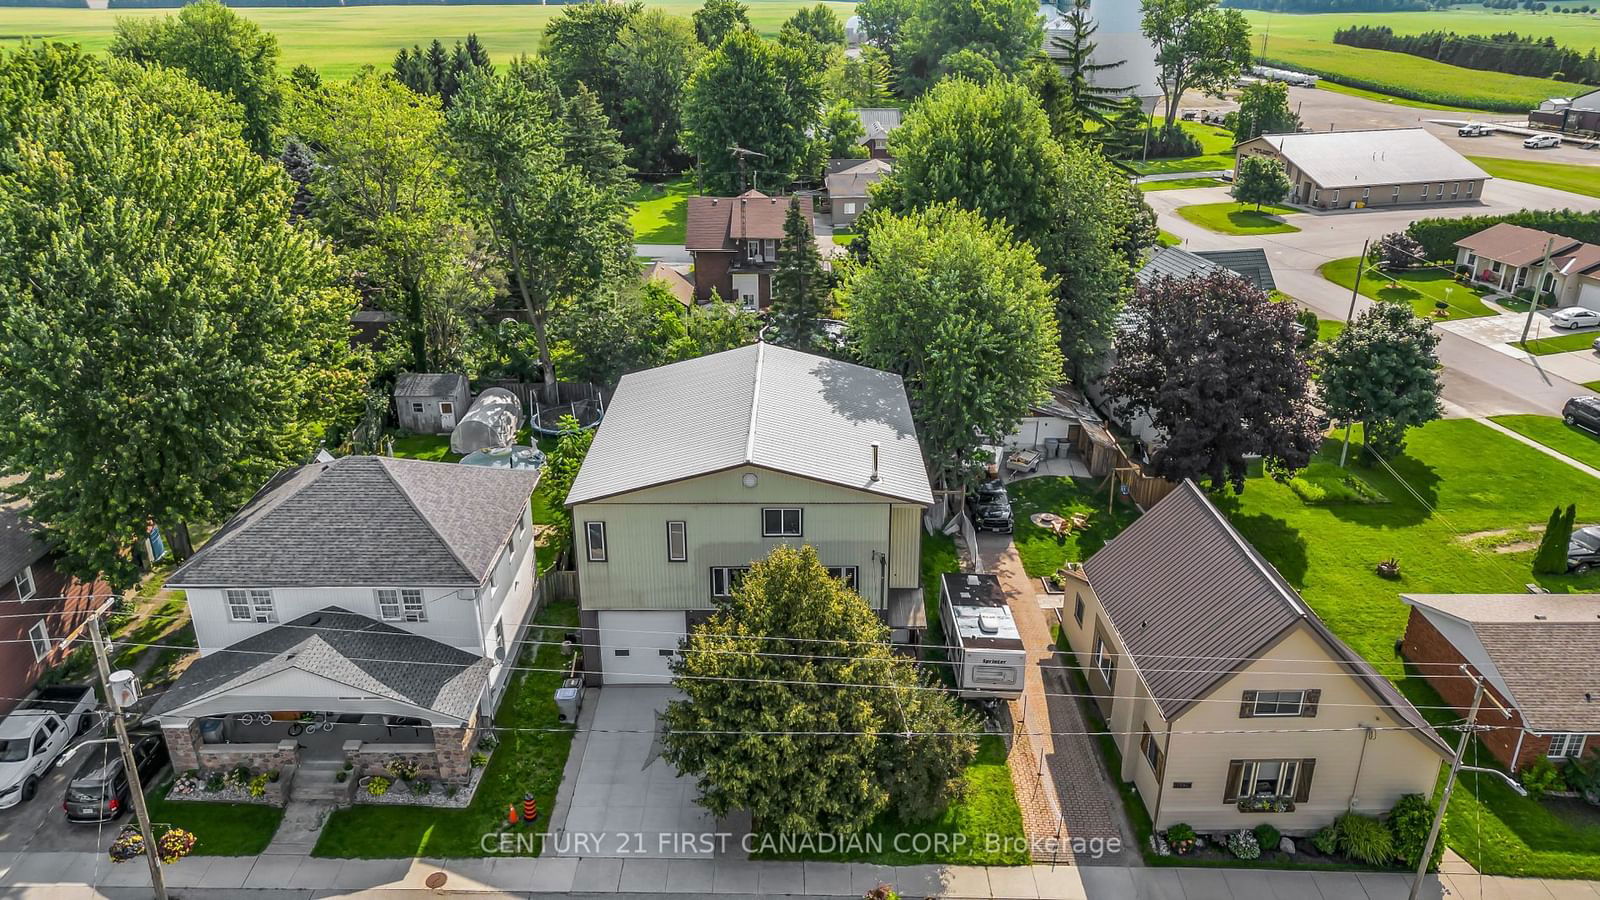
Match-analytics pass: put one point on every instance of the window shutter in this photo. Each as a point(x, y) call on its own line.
point(1247, 706)
point(1302, 784)
point(1230, 788)
point(1309, 709)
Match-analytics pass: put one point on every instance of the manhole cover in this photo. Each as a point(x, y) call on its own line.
point(436, 880)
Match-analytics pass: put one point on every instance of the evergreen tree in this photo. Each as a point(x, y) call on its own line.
point(1087, 100)
point(590, 143)
point(1552, 556)
point(799, 285)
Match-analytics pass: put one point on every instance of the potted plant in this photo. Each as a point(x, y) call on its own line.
point(1182, 839)
point(1389, 568)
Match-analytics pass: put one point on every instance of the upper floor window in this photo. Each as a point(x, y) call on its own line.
point(784, 522)
point(401, 605)
point(677, 542)
point(254, 605)
point(595, 538)
point(1566, 746)
point(1103, 660)
point(846, 574)
point(39, 637)
point(725, 578)
point(25, 584)
point(1279, 703)
point(1077, 608)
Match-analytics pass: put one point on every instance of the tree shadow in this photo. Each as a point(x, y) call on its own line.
point(861, 394)
point(1411, 486)
point(1277, 540)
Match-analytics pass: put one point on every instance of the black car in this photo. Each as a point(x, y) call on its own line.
point(990, 507)
point(1583, 412)
point(98, 792)
point(1583, 551)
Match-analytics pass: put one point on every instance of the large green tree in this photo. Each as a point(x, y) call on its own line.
point(654, 57)
point(168, 339)
point(218, 48)
point(1006, 33)
point(777, 722)
point(962, 311)
point(1263, 109)
point(989, 148)
point(715, 20)
point(755, 95)
point(881, 24)
point(1260, 179)
point(580, 46)
point(1199, 46)
point(1383, 371)
point(800, 287)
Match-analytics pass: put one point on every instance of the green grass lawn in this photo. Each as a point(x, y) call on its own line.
point(338, 41)
point(1179, 184)
point(1167, 239)
point(526, 761)
point(1592, 385)
point(220, 829)
point(1329, 329)
point(1216, 152)
point(844, 237)
point(938, 558)
point(1583, 446)
point(1561, 343)
point(1419, 288)
point(1042, 553)
point(1580, 31)
point(661, 211)
point(1577, 179)
point(431, 447)
point(1239, 218)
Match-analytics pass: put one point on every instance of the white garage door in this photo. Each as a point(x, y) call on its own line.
point(636, 645)
point(1589, 295)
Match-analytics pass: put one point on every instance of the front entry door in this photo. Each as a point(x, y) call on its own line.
point(447, 414)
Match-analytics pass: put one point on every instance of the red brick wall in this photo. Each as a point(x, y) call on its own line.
point(1438, 660)
point(712, 270)
point(18, 670)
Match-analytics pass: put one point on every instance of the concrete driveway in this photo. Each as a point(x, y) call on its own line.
point(625, 801)
point(39, 825)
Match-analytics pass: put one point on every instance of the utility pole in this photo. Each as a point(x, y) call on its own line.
point(1361, 267)
point(1538, 288)
point(130, 768)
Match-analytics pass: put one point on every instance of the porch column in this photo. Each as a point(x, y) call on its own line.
point(183, 744)
point(453, 747)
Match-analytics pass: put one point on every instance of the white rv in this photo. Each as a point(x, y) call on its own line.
point(986, 652)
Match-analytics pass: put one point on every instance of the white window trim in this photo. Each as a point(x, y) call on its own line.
point(413, 608)
point(590, 529)
point(1104, 662)
point(782, 531)
point(727, 579)
point(263, 613)
point(1288, 779)
point(39, 638)
point(26, 575)
point(1299, 708)
point(237, 600)
point(417, 408)
point(683, 540)
point(1570, 745)
point(388, 604)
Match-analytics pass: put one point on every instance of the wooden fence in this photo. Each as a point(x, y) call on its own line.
point(559, 585)
point(1106, 458)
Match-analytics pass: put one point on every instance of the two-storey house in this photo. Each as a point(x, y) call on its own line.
point(367, 593)
point(703, 466)
point(1232, 703)
point(734, 243)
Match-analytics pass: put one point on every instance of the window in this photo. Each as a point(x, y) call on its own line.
point(416, 408)
point(780, 523)
point(1268, 778)
point(388, 604)
point(665, 651)
point(1279, 703)
point(595, 533)
point(1566, 746)
point(1335, 200)
point(725, 578)
point(1455, 189)
point(996, 675)
point(1549, 282)
point(251, 606)
point(677, 542)
point(25, 584)
point(261, 607)
point(1103, 660)
point(239, 606)
point(846, 574)
point(411, 607)
point(1316, 194)
point(1396, 195)
point(769, 249)
point(621, 651)
point(39, 637)
point(1077, 609)
point(752, 249)
point(1366, 193)
point(1152, 750)
point(849, 208)
point(1469, 188)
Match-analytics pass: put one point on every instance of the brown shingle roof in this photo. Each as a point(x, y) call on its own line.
point(1514, 244)
point(715, 223)
point(675, 281)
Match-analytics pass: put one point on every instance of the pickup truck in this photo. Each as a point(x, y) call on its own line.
point(35, 734)
point(1474, 129)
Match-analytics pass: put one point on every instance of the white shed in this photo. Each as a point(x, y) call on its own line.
point(430, 403)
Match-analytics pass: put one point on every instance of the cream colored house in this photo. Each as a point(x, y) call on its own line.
point(703, 466)
point(1232, 703)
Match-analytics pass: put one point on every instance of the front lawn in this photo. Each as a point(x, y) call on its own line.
point(1041, 551)
point(1167, 239)
point(1239, 218)
point(1174, 184)
point(1562, 343)
point(531, 756)
point(1592, 385)
point(1578, 179)
point(1328, 330)
point(1418, 288)
point(1583, 446)
point(220, 829)
point(1216, 151)
point(844, 237)
point(661, 211)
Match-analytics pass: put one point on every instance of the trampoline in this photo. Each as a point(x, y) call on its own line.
point(587, 410)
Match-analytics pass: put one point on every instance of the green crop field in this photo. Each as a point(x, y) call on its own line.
point(1575, 30)
point(339, 41)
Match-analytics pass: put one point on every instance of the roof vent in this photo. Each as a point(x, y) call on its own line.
point(874, 460)
point(988, 623)
point(1540, 616)
point(972, 579)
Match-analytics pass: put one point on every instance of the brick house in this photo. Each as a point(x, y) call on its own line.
point(1537, 653)
point(44, 606)
point(734, 243)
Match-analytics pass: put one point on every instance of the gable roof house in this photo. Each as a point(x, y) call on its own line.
point(1249, 263)
point(374, 590)
point(734, 244)
point(847, 183)
point(1231, 701)
point(1510, 257)
point(1375, 167)
point(1537, 654)
point(703, 466)
point(878, 123)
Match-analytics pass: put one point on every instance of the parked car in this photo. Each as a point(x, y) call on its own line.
point(1583, 412)
point(99, 791)
point(35, 733)
point(1474, 129)
point(1575, 317)
point(1227, 175)
point(990, 507)
point(1583, 551)
point(1542, 142)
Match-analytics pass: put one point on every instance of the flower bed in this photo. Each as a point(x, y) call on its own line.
point(400, 792)
point(234, 786)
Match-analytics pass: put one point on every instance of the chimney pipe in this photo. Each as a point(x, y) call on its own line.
point(874, 461)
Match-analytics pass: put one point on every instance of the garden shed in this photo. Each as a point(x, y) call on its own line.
point(491, 423)
point(430, 403)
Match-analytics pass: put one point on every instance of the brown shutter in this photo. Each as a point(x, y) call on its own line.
point(1247, 705)
point(1309, 709)
point(1302, 780)
point(1230, 787)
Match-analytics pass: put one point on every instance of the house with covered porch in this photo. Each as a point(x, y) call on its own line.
point(363, 610)
point(1510, 257)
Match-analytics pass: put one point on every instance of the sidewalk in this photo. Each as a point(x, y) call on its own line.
point(1583, 467)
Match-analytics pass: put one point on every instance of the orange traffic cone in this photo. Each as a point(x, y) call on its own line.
point(511, 813)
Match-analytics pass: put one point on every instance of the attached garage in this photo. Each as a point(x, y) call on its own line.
point(637, 645)
point(1589, 294)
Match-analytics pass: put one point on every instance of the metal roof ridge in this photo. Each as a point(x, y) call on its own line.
point(755, 403)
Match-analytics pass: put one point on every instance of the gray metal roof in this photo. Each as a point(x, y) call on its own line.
point(878, 122)
point(760, 405)
point(341, 646)
point(1176, 263)
point(1380, 156)
point(1249, 263)
point(853, 181)
point(429, 385)
point(366, 520)
point(1181, 585)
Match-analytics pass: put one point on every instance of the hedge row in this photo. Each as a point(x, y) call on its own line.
point(1438, 236)
point(1394, 89)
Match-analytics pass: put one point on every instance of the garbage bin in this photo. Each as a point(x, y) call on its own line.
point(569, 699)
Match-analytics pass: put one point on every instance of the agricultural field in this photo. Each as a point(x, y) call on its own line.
point(338, 41)
point(1580, 31)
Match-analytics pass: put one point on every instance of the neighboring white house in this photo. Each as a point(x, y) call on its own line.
point(371, 589)
point(703, 466)
point(1232, 703)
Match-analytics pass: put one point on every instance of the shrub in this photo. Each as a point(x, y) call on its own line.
point(1409, 821)
point(258, 785)
point(488, 742)
point(274, 776)
point(421, 787)
point(341, 776)
point(378, 786)
point(1182, 838)
point(479, 760)
point(1365, 839)
point(1244, 845)
point(1583, 776)
point(1326, 840)
point(1173, 142)
point(1268, 836)
point(214, 782)
point(403, 769)
point(1541, 778)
